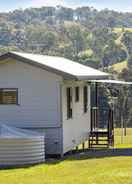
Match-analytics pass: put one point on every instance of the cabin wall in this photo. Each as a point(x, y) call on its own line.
point(38, 98)
point(75, 130)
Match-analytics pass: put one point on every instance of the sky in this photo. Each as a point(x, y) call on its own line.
point(118, 5)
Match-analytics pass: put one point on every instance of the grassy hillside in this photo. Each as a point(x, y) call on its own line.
point(118, 67)
point(120, 30)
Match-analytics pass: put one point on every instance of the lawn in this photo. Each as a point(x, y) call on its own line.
point(91, 167)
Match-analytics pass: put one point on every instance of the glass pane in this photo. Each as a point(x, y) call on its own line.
point(8, 96)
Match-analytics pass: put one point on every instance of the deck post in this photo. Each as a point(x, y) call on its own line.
point(83, 146)
point(76, 148)
point(96, 104)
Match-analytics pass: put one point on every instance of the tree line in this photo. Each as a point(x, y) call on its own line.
point(83, 34)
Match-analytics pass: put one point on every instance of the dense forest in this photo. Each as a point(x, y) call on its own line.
point(96, 38)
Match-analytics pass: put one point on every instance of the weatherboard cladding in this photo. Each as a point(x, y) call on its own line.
point(38, 98)
point(68, 69)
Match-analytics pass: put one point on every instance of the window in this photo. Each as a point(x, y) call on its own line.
point(85, 98)
point(8, 96)
point(69, 103)
point(76, 94)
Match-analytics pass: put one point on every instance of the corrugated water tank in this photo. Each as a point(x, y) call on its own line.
point(20, 147)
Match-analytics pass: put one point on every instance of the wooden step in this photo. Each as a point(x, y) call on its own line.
point(99, 138)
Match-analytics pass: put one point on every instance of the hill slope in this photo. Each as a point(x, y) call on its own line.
point(70, 33)
point(118, 67)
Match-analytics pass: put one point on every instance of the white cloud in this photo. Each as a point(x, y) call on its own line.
point(71, 4)
point(39, 3)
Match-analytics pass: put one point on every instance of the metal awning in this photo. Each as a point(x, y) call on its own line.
point(111, 82)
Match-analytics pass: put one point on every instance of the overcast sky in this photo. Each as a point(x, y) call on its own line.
point(119, 5)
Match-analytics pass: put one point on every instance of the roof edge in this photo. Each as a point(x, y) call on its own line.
point(65, 75)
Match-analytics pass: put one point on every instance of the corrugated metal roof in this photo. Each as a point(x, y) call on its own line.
point(69, 69)
point(112, 82)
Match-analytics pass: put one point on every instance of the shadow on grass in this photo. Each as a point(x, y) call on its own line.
point(81, 155)
point(92, 154)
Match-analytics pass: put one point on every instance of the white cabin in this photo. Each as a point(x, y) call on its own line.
point(47, 94)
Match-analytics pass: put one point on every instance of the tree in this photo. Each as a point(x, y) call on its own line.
point(113, 54)
point(64, 14)
point(75, 34)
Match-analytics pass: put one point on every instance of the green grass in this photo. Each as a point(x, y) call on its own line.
point(88, 168)
point(115, 170)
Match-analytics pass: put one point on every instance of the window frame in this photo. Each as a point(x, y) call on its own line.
point(77, 94)
point(69, 96)
point(85, 99)
point(10, 89)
